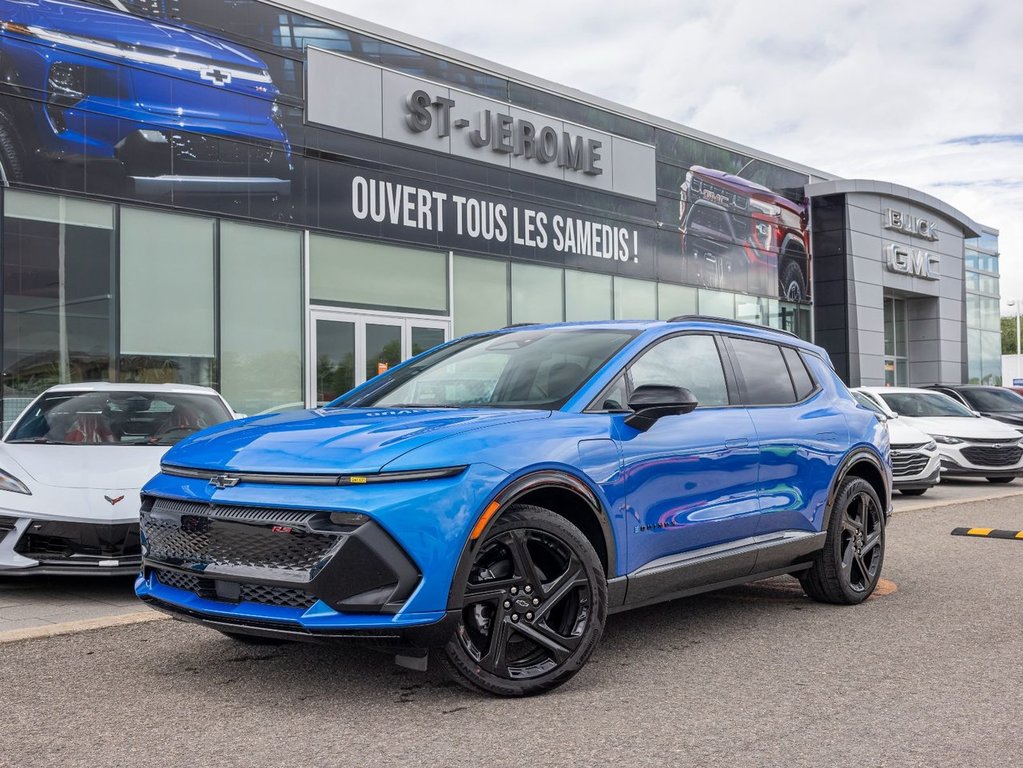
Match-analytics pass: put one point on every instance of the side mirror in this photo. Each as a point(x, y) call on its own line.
point(653, 401)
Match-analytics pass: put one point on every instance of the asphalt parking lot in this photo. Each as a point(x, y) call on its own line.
point(926, 673)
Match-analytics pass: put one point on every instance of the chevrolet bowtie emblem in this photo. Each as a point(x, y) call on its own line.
point(114, 500)
point(223, 481)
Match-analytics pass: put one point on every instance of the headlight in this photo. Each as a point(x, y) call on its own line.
point(933, 445)
point(768, 209)
point(946, 440)
point(9, 482)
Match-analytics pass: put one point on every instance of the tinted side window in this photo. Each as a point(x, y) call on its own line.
point(684, 361)
point(764, 370)
point(800, 376)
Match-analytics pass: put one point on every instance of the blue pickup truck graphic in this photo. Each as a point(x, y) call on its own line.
point(154, 108)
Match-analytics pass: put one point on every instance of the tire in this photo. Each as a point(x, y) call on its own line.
point(244, 639)
point(534, 606)
point(847, 569)
point(12, 156)
point(912, 491)
point(1000, 479)
point(793, 281)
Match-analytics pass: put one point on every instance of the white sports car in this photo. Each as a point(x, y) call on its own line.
point(73, 463)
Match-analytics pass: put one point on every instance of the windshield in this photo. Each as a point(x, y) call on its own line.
point(117, 418)
point(520, 369)
point(993, 399)
point(924, 404)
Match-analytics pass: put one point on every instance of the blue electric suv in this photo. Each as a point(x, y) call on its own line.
point(143, 107)
point(498, 496)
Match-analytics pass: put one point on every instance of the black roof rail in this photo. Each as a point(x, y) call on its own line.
point(727, 321)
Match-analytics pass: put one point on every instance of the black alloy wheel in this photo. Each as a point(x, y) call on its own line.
point(847, 569)
point(533, 606)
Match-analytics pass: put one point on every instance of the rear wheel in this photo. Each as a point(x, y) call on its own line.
point(534, 606)
point(1000, 479)
point(847, 569)
point(912, 491)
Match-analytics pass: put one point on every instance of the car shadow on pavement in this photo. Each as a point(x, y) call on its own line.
point(327, 674)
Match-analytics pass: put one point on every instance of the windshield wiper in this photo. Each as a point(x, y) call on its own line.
point(39, 440)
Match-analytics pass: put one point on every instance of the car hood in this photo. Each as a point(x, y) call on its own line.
point(84, 20)
point(99, 467)
point(326, 440)
point(902, 433)
point(1006, 417)
point(967, 428)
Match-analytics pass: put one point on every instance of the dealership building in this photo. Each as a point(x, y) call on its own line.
point(281, 201)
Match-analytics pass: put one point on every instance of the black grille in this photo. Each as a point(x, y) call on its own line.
point(989, 456)
point(287, 597)
point(192, 154)
point(6, 524)
point(272, 595)
point(907, 464)
point(186, 581)
point(236, 539)
point(60, 541)
point(718, 194)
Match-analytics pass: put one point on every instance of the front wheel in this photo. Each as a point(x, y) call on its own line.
point(847, 569)
point(533, 606)
point(1000, 479)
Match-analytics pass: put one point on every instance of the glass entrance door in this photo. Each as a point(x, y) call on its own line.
point(349, 348)
point(896, 355)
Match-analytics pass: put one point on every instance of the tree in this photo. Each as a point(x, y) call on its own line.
point(1009, 335)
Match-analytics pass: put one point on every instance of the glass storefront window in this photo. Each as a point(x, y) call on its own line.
point(58, 291)
point(260, 320)
point(480, 294)
point(167, 297)
point(675, 300)
point(587, 296)
point(717, 304)
point(538, 294)
point(358, 273)
point(635, 299)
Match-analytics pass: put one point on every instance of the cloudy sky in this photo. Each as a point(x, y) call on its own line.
point(925, 94)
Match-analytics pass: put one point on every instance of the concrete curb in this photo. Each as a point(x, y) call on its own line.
point(83, 625)
point(918, 506)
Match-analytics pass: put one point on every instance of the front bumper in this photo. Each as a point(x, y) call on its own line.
point(915, 468)
point(981, 459)
point(35, 547)
point(432, 634)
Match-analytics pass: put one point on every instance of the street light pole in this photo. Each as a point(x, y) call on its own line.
point(1019, 365)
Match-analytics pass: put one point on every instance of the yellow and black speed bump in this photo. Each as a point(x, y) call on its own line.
point(988, 533)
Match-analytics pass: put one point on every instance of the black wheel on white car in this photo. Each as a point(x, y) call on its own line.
point(533, 606)
point(847, 569)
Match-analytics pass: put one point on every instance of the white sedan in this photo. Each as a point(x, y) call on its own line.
point(970, 444)
point(916, 462)
point(72, 465)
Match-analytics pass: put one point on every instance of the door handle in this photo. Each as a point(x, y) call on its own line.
point(737, 442)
